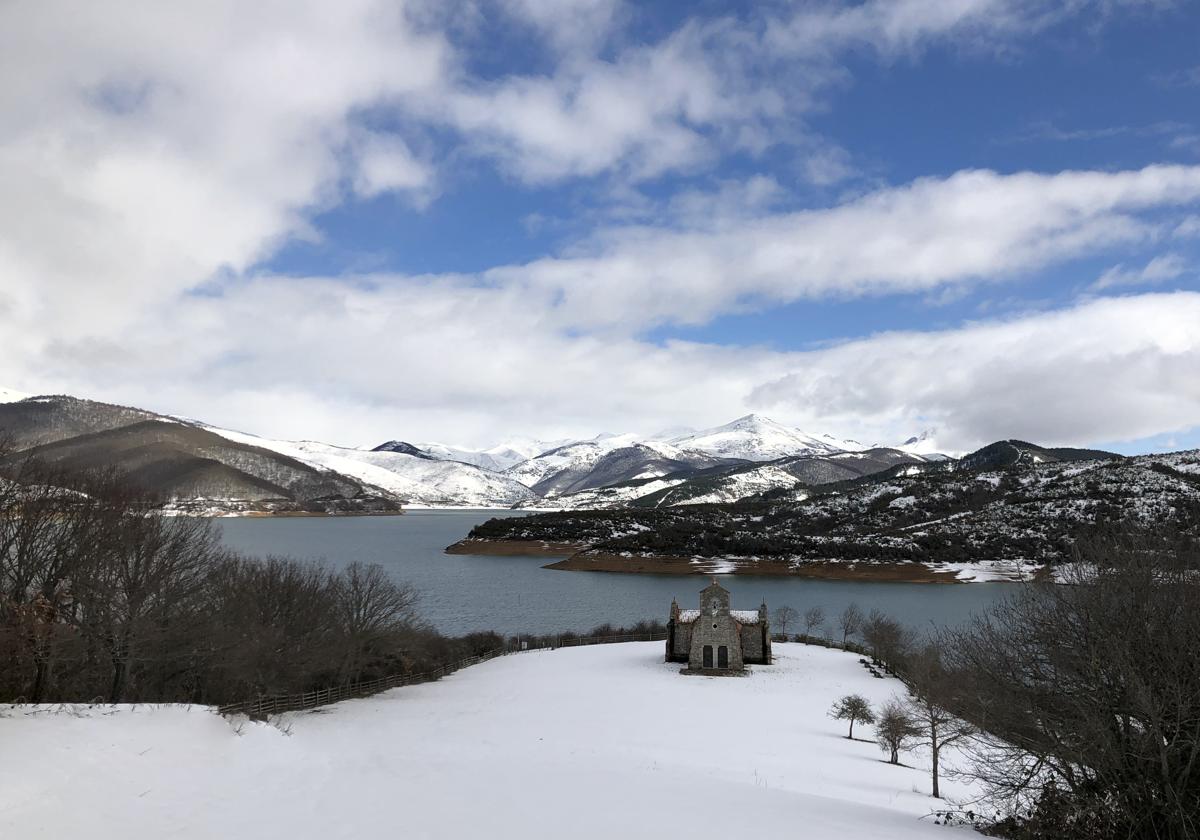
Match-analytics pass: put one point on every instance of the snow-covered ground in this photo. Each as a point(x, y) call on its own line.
point(596, 742)
point(8, 395)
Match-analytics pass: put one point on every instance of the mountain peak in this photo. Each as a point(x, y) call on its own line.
point(403, 447)
point(754, 437)
point(751, 420)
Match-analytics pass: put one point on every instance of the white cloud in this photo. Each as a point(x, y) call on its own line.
point(974, 226)
point(710, 87)
point(153, 153)
point(1188, 228)
point(574, 27)
point(384, 163)
point(443, 359)
point(1110, 369)
point(896, 27)
point(146, 146)
point(1166, 267)
point(651, 110)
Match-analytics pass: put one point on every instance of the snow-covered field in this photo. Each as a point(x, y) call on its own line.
point(596, 742)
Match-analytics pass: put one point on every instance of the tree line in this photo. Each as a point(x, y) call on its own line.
point(1074, 705)
point(103, 597)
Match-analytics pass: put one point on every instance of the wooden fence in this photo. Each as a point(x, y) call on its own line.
point(262, 707)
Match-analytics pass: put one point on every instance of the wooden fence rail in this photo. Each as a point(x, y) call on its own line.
point(262, 707)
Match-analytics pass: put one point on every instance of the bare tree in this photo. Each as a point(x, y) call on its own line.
point(933, 693)
point(850, 621)
point(1090, 691)
point(784, 616)
point(143, 571)
point(895, 729)
point(814, 617)
point(854, 708)
point(888, 639)
point(372, 611)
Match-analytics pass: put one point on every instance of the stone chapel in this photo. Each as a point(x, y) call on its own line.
point(715, 639)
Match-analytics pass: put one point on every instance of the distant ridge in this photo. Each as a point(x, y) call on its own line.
point(1006, 453)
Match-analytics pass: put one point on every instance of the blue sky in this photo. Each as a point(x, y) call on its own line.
point(472, 220)
point(1081, 95)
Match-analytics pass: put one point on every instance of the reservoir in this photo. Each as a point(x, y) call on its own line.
point(512, 595)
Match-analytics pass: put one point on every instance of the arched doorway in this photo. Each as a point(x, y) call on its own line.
point(722, 657)
point(708, 662)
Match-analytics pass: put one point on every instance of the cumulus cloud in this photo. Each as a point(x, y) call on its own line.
point(445, 359)
point(1111, 369)
point(146, 147)
point(154, 154)
point(384, 163)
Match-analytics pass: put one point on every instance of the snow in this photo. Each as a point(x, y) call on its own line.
point(8, 395)
point(924, 445)
point(989, 571)
point(582, 456)
point(595, 742)
point(742, 616)
point(497, 458)
point(715, 565)
point(614, 496)
point(419, 480)
point(758, 438)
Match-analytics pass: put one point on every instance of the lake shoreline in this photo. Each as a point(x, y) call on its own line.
point(579, 557)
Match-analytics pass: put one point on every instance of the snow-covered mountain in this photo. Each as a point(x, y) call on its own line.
point(758, 438)
point(243, 472)
point(604, 461)
point(732, 482)
point(497, 458)
point(925, 444)
point(417, 480)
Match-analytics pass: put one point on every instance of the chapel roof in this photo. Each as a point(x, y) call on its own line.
point(740, 616)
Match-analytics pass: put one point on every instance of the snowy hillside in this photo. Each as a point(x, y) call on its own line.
point(464, 758)
point(758, 438)
point(420, 481)
point(8, 395)
point(921, 519)
point(730, 483)
point(497, 458)
point(737, 486)
point(605, 461)
point(599, 498)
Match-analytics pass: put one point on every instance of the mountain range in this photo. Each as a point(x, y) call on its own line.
point(206, 469)
point(1006, 512)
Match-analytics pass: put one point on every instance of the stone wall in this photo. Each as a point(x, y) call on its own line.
point(752, 643)
point(718, 631)
point(682, 643)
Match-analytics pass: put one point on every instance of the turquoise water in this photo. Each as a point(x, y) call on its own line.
point(462, 593)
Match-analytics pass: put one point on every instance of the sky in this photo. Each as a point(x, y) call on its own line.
point(466, 221)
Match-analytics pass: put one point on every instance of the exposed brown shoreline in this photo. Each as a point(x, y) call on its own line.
point(578, 558)
point(656, 565)
point(515, 548)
